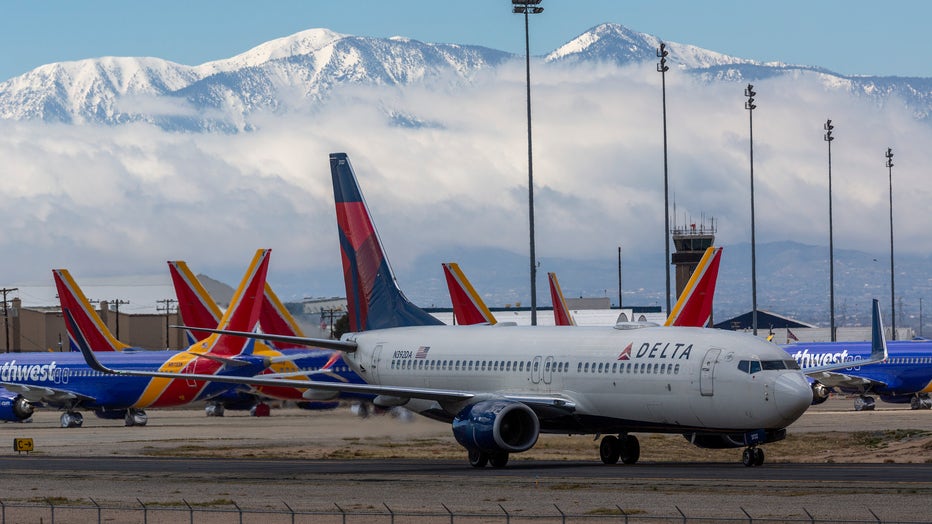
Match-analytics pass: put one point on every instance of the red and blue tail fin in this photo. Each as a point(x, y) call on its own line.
point(274, 318)
point(86, 324)
point(694, 306)
point(561, 313)
point(468, 306)
point(196, 307)
point(243, 313)
point(372, 295)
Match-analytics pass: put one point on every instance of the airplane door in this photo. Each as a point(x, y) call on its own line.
point(548, 370)
point(707, 372)
point(536, 371)
point(376, 358)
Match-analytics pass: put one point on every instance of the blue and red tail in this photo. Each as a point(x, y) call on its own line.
point(85, 323)
point(372, 295)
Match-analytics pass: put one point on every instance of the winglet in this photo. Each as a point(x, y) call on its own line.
point(83, 346)
point(86, 323)
point(468, 306)
point(196, 307)
point(243, 313)
point(878, 341)
point(373, 298)
point(561, 313)
point(694, 306)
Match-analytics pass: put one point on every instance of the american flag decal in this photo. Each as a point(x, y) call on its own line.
point(422, 352)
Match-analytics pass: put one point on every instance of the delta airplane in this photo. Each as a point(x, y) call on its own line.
point(500, 387)
point(905, 376)
point(64, 380)
point(197, 309)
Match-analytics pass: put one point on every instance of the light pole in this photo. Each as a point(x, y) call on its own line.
point(662, 68)
point(749, 105)
point(619, 278)
point(889, 165)
point(527, 8)
point(831, 245)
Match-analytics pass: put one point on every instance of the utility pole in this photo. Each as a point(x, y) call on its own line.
point(167, 306)
point(6, 316)
point(116, 309)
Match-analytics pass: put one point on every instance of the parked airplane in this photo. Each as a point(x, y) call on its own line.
point(905, 376)
point(500, 387)
point(64, 381)
point(197, 309)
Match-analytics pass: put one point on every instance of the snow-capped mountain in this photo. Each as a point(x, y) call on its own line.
point(310, 64)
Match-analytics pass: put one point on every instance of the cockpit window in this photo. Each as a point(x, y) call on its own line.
point(753, 366)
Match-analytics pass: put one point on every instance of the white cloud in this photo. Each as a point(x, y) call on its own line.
point(122, 200)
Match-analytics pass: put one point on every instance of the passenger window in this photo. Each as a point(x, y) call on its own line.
point(663, 368)
point(579, 367)
point(547, 366)
point(536, 366)
point(677, 369)
point(614, 367)
point(508, 366)
point(586, 367)
point(600, 367)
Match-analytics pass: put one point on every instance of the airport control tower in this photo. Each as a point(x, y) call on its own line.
point(690, 243)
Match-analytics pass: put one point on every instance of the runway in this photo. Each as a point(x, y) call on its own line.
point(313, 460)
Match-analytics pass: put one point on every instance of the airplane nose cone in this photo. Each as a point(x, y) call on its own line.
point(792, 395)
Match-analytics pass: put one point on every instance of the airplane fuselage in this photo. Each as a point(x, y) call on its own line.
point(649, 379)
point(68, 373)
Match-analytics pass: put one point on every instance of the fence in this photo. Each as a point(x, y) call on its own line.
point(229, 511)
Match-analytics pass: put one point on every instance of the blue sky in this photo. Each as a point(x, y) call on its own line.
point(850, 37)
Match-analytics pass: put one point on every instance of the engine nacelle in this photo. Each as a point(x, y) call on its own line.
point(820, 393)
point(735, 440)
point(318, 405)
point(495, 426)
point(15, 408)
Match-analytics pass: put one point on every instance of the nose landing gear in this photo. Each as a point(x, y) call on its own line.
point(752, 456)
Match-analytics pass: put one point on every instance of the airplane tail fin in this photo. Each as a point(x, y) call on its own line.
point(373, 298)
point(878, 341)
point(468, 306)
point(243, 313)
point(694, 306)
point(196, 307)
point(561, 313)
point(275, 318)
point(86, 325)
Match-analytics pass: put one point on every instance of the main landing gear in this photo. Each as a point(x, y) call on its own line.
point(135, 417)
point(921, 401)
point(624, 447)
point(752, 456)
point(478, 459)
point(864, 403)
point(72, 419)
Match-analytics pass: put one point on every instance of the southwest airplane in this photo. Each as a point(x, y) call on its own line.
point(64, 380)
point(198, 309)
point(904, 376)
point(500, 387)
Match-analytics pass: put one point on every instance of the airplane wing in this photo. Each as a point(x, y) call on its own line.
point(47, 395)
point(845, 381)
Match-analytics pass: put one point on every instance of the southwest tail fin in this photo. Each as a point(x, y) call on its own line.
point(85, 325)
point(196, 307)
point(468, 306)
point(694, 306)
point(372, 295)
point(561, 313)
point(243, 313)
point(274, 318)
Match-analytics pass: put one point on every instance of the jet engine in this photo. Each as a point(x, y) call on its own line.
point(15, 408)
point(819, 393)
point(495, 426)
point(735, 440)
